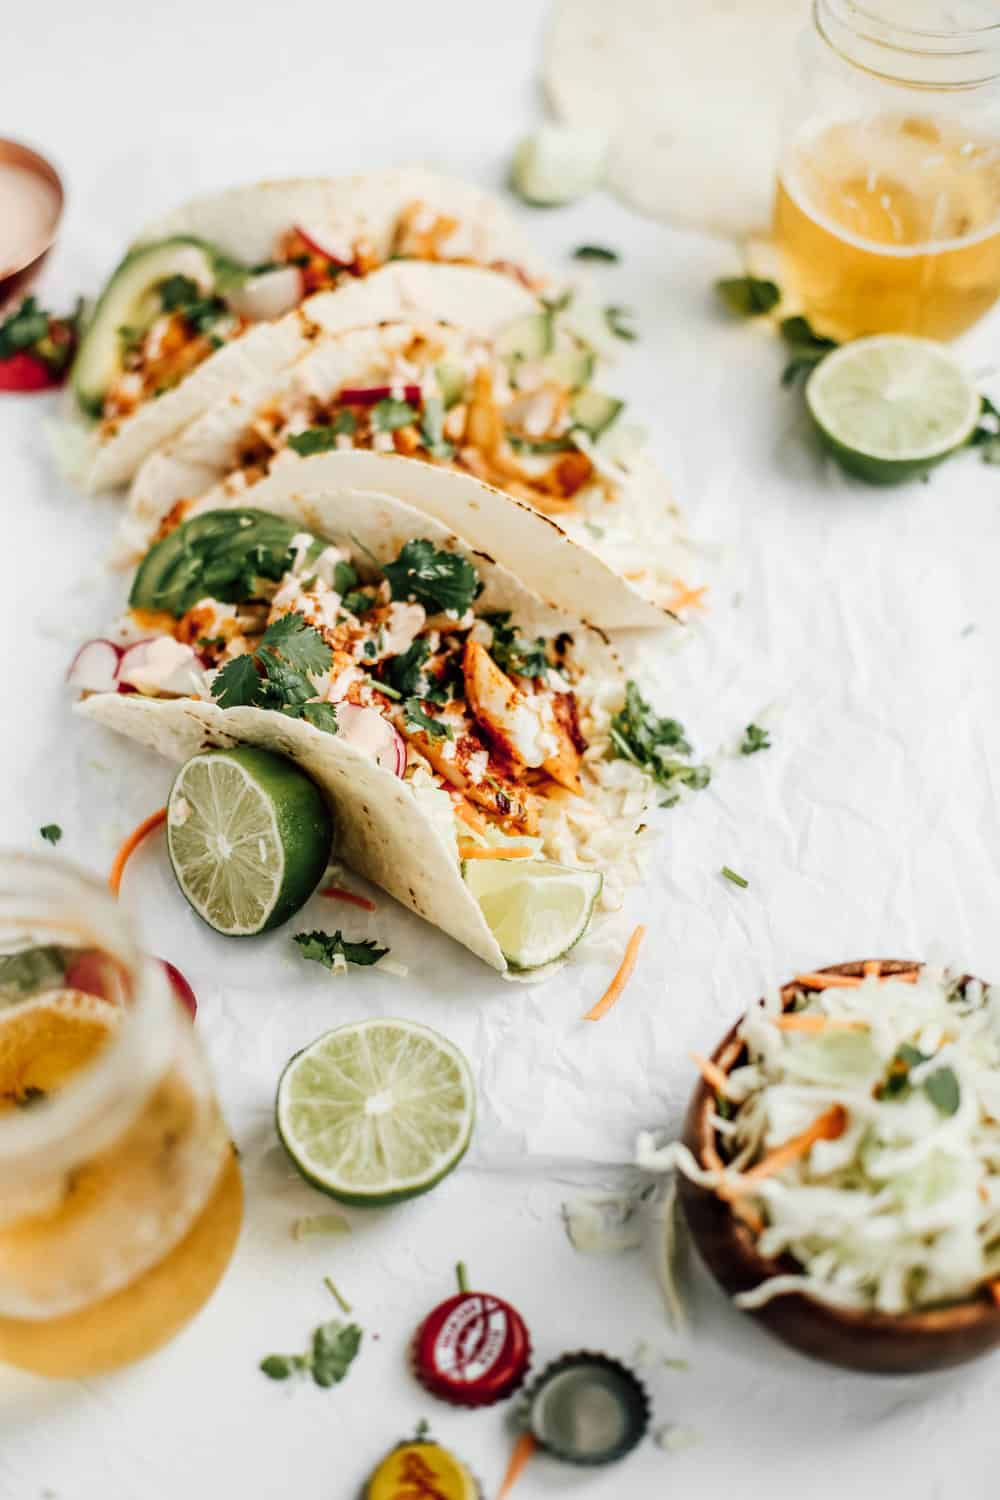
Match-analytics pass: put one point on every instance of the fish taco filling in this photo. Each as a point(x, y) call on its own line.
point(170, 304)
point(505, 737)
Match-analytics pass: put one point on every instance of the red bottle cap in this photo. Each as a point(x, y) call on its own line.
point(473, 1350)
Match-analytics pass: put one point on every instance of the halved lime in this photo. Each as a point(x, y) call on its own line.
point(536, 910)
point(376, 1112)
point(249, 838)
point(892, 406)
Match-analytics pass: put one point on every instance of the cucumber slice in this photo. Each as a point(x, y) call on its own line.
point(595, 412)
point(529, 338)
point(129, 301)
point(572, 367)
point(451, 384)
point(218, 554)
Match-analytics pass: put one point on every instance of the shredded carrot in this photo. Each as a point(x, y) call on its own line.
point(524, 1450)
point(621, 979)
point(849, 981)
point(796, 1021)
point(993, 1287)
point(337, 893)
point(712, 1073)
point(872, 969)
point(687, 598)
point(131, 844)
point(507, 851)
point(468, 813)
point(826, 1127)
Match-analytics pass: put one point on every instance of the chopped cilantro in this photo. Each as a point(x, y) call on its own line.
point(278, 674)
point(323, 947)
point(748, 296)
point(417, 719)
point(657, 746)
point(524, 658)
point(29, 328)
point(731, 875)
point(23, 329)
point(51, 833)
point(617, 320)
point(986, 433)
point(754, 739)
point(405, 673)
point(437, 580)
point(941, 1087)
point(345, 578)
point(389, 414)
point(332, 1351)
point(181, 295)
point(806, 347)
point(357, 602)
point(323, 437)
point(596, 252)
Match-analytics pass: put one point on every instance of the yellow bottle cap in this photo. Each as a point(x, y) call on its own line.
point(421, 1471)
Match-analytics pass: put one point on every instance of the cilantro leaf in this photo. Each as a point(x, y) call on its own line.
point(345, 578)
point(51, 833)
point(657, 746)
point(986, 433)
point(748, 296)
point(238, 684)
point(180, 294)
point(319, 715)
point(357, 602)
point(596, 252)
point(323, 947)
point(524, 658)
point(389, 414)
point(942, 1089)
point(334, 1347)
point(23, 329)
point(52, 340)
point(754, 739)
point(616, 319)
point(437, 580)
point(177, 290)
point(416, 718)
point(405, 673)
point(278, 674)
point(313, 440)
point(806, 346)
point(301, 646)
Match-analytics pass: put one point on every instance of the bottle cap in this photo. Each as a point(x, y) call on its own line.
point(472, 1350)
point(422, 1468)
point(587, 1409)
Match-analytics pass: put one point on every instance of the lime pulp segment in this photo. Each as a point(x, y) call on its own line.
point(536, 910)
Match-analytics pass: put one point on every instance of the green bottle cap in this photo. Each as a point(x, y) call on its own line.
point(587, 1409)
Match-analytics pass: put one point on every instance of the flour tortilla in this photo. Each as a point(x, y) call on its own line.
point(691, 94)
point(245, 222)
point(385, 831)
point(533, 546)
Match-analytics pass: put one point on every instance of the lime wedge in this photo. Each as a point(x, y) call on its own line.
point(536, 910)
point(249, 838)
point(890, 407)
point(376, 1112)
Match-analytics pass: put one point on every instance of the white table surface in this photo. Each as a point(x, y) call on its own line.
point(864, 622)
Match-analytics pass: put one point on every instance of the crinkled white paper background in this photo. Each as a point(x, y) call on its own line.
point(860, 626)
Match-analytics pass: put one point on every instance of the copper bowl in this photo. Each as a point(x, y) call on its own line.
point(15, 280)
point(880, 1343)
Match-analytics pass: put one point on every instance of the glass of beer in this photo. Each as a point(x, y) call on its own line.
point(887, 215)
point(120, 1194)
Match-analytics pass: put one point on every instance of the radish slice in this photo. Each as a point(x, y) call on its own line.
point(180, 987)
point(94, 668)
point(268, 295)
point(341, 255)
point(162, 665)
point(371, 395)
point(367, 731)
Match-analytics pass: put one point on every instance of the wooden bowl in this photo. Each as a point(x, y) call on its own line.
point(880, 1343)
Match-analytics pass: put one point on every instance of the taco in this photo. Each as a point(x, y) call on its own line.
point(561, 485)
point(459, 726)
point(234, 286)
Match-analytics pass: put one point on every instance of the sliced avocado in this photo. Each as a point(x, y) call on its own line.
point(129, 301)
point(219, 555)
point(595, 412)
point(531, 337)
point(572, 367)
point(451, 383)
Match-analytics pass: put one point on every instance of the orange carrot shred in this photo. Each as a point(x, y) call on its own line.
point(872, 968)
point(828, 981)
point(468, 814)
point(621, 979)
point(799, 1021)
point(508, 851)
point(826, 1127)
point(994, 1289)
point(524, 1450)
point(338, 893)
point(131, 844)
point(712, 1073)
point(687, 598)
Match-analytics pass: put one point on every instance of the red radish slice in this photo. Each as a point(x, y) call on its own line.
point(94, 973)
point(269, 295)
point(368, 732)
point(371, 395)
point(94, 668)
point(341, 255)
point(180, 987)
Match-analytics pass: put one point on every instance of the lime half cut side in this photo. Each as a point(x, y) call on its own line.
point(376, 1112)
point(890, 407)
point(536, 910)
point(249, 838)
